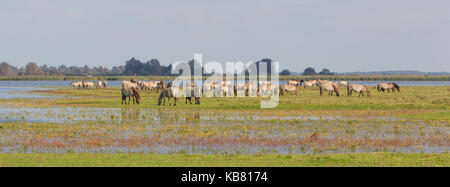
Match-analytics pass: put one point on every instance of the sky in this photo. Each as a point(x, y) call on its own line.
point(343, 36)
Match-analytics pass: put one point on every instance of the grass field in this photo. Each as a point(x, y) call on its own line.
point(92, 128)
point(176, 160)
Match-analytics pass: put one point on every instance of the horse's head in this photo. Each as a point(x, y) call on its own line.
point(136, 95)
point(367, 91)
point(396, 86)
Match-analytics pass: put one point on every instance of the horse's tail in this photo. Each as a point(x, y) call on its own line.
point(367, 90)
point(378, 88)
point(281, 90)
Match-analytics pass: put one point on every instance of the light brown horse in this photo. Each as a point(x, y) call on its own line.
point(129, 84)
point(330, 87)
point(288, 88)
point(309, 83)
point(130, 93)
point(382, 87)
point(76, 85)
point(98, 84)
point(86, 85)
point(360, 88)
point(266, 88)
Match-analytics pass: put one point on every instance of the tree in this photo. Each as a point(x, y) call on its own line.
point(33, 69)
point(285, 72)
point(5, 69)
point(309, 71)
point(326, 72)
point(268, 63)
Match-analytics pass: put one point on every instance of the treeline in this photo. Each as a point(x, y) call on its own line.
point(132, 67)
point(32, 69)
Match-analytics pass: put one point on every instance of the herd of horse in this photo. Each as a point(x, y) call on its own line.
point(130, 89)
point(84, 85)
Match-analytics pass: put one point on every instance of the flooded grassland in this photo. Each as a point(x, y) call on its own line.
point(63, 120)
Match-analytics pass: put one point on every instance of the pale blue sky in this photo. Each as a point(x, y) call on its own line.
point(344, 35)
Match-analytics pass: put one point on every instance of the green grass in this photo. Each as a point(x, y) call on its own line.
point(411, 97)
point(197, 160)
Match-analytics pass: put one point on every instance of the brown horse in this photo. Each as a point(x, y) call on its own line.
point(130, 92)
point(360, 88)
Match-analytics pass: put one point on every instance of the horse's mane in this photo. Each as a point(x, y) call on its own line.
point(367, 88)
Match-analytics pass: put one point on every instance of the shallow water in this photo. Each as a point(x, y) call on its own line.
point(19, 89)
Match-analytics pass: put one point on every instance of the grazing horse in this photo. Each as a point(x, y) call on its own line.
point(330, 87)
point(288, 88)
point(130, 92)
point(360, 88)
point(150, 85)
point(267, 88)
point(87, 85)
point(76, 85)
point(382, 87)
point(170, 92)
point(193, 91)
point(309, 83)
